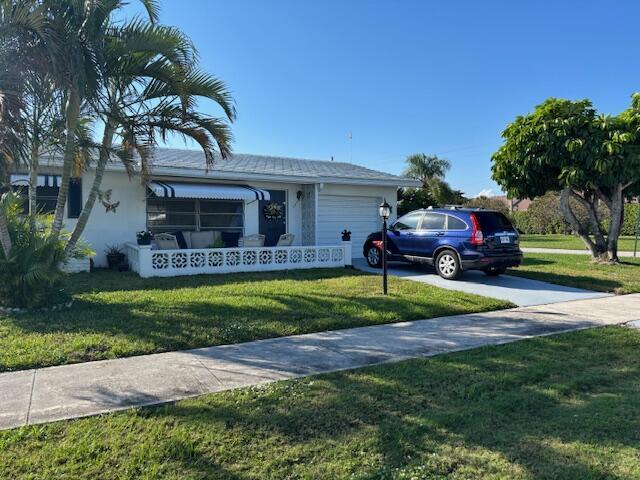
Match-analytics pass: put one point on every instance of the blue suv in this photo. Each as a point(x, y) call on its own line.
point(451, 239)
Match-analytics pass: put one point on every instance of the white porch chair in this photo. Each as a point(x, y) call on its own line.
point(165, 241)
point(285, 240)
point(255, 240)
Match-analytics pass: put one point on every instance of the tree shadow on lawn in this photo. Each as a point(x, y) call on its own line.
point(535, 261)
point(124, 328)
point(468, 410)
point(104, 280)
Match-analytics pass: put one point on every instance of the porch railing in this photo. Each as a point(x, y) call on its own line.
point(169, 263)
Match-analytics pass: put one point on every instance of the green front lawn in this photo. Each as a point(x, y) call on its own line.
point(570, 242)
point(581, 272)
point(560, 407)
point(120, 314)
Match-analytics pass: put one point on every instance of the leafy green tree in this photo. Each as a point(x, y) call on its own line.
point(410, 199)
point(566, 146)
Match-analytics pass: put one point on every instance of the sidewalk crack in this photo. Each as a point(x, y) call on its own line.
point(33, 382)
point(210, 372)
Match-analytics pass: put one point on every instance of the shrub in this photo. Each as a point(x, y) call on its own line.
point(489, 203)
point(630, 218)
point(30, 276)
point(410, 199)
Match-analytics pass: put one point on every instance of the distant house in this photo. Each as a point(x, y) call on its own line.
point(514, 204)
point(243, 195)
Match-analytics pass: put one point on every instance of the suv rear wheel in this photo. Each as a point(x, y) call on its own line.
point(374, 257)
point(448, 265)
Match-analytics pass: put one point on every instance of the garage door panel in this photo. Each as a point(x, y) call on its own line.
point(358, 214)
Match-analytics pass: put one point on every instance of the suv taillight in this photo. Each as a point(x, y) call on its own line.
point(477, 237)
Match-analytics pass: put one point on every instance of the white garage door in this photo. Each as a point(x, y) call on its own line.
point(337, 212)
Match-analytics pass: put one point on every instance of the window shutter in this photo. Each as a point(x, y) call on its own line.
point(75, 198)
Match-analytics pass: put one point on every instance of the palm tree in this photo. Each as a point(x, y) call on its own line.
point(22, 34)
point(151, 87)
point(426, 168)
point(81, 26)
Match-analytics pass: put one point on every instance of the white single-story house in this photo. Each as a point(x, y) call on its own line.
point(239, 196)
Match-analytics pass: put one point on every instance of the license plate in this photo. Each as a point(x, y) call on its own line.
point(505, 240)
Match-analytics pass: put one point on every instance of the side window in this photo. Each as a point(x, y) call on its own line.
point(409, 222)
point(433, 221)
point(456, 224)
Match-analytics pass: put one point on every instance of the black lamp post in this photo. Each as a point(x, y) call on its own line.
point(384, 210)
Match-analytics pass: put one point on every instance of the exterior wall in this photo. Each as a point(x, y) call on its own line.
point(113, 228)
point(119, 228)
point(308, 212)
point(130, 217)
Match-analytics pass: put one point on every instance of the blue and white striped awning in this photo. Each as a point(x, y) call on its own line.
point(207, 190)
point(22, 180)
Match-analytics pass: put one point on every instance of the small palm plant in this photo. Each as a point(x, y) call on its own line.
point(30, 276)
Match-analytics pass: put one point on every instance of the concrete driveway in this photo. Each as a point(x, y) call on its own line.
point(520, 291)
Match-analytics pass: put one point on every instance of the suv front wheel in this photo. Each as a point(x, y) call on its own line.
point(374, 257)
point(448, 265)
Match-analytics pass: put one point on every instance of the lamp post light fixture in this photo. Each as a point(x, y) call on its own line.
point(384, 211)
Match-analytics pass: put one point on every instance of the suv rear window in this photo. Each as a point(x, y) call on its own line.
point(456, 224)
point(492, 222)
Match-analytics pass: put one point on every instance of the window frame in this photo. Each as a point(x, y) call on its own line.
point(74, 182)
point(466, 225)
point(197, 227)
point(444, 227)
point(418, 225)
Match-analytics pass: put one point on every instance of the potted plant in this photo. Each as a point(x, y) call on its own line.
point(115, 256)
point(144, 237)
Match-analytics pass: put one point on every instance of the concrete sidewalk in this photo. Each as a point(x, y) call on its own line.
point(70, 391)
point(568, 252)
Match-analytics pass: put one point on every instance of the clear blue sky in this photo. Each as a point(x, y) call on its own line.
point(408, 76)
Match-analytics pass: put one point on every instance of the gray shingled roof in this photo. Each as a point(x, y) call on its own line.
point(268, 165)
point(182, 162)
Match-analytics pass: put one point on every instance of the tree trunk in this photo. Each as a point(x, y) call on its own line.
point(72, 113)
point(597, 249)
point(589, 203)
point(107, 140)
point(5, 238)
point(33, 182)
point(616, 212)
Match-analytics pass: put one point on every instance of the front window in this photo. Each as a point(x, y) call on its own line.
point(173, 214)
